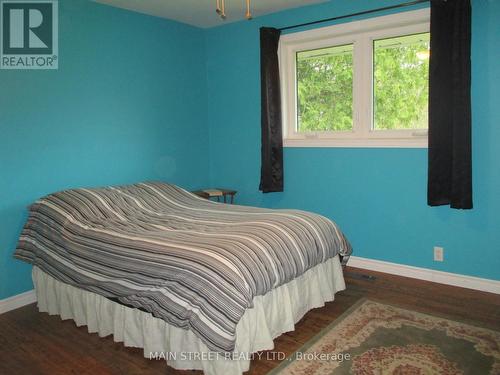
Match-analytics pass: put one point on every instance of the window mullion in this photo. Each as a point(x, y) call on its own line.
point(363, 86)
point(357, 88)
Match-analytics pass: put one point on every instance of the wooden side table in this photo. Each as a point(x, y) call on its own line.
point(217, 193)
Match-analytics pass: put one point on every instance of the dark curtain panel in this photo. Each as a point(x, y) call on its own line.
point(450, 167)
point(271, 175)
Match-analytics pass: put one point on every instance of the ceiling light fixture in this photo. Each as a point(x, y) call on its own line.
point(220, 9)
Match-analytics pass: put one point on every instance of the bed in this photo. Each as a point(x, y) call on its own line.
point(199, 283)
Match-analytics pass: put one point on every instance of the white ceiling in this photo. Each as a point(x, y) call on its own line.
point(201, 13)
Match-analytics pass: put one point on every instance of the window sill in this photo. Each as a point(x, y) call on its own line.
point(358, 143)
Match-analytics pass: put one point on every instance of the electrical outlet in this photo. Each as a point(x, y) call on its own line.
point(438, 254)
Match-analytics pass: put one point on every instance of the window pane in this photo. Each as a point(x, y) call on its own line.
point(324, 89)
point(401, 82)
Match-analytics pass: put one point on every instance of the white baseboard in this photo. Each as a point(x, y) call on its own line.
point(464, 281)
point(15, 302)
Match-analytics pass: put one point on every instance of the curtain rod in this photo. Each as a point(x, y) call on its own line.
point(402, 5)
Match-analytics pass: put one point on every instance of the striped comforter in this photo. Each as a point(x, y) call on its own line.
point(196, 264)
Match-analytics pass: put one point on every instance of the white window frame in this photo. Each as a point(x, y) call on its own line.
point(361, 34)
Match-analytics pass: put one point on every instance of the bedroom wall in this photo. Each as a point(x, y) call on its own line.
point(118, 110)
point(378, 196)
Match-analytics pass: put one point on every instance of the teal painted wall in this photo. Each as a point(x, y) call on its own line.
point(378, 196)
point(118, 110)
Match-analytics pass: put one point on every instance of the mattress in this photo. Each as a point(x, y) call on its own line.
point(196, 264)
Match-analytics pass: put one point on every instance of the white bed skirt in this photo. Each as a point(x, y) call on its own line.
point(272, 314)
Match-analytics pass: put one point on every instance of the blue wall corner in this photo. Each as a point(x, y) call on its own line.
point(118, 110)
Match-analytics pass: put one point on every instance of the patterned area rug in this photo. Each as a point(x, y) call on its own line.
point(377, 339)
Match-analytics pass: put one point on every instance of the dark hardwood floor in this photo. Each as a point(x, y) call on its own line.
point(36, 343)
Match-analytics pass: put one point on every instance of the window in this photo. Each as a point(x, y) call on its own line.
point(359, 84)
point(400, 82)
point(324, 89)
